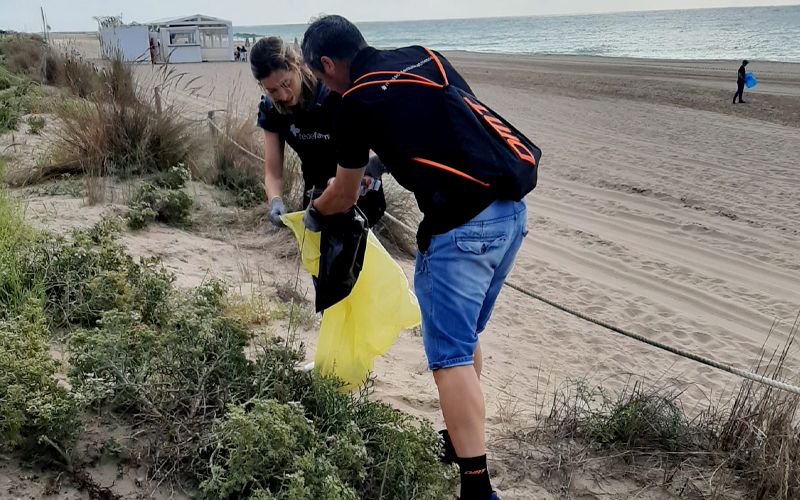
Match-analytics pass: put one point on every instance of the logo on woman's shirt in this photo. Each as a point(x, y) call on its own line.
point(308, 136)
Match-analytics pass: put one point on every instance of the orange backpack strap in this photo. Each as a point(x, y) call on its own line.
point(402, 77)
point(439, 65)
point(396, 73)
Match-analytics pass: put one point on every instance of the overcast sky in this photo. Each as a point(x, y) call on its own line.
point(76, 15)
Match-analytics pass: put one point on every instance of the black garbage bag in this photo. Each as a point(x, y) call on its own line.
point(342, 246)
point(373, 205)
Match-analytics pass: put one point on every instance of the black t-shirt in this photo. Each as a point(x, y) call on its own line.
point(403, 121)
point(741, 74)
point(308, 132)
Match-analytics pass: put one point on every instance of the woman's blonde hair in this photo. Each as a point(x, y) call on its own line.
point(273, 54)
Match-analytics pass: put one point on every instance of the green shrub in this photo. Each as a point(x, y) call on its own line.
point(155, 366)
point(178, 376)
point(404, 455)
point(16, 238)
point(75, 188)
point(88, 274)
point(152, 289)
point(640, 420)
point(83, 276)
point(151, 203)
point(176, 372)
point(108, 363)
point(635, 418)
point(19, 100)
point(172, 361)
point(379, 451)
point(174, 178)
point(140, 215)
point(35, 124)
point(7, 78)
point(36, 414)
point(270, 447)
point(9, 115)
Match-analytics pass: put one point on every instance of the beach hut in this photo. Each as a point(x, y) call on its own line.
point(117, 39)
point(193, 38)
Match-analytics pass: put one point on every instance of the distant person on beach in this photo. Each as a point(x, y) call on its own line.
point(740, 77)
point(298, 109)
point(461, 162)
point(243, 53)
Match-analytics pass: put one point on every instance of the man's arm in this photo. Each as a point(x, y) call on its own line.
point(341, 194)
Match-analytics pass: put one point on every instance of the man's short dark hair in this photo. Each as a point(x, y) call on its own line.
point(334, 37)
point(745, 62)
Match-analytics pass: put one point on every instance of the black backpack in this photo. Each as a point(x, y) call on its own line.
point(498, 156)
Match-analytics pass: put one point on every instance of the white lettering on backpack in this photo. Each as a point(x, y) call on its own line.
point(423, 62)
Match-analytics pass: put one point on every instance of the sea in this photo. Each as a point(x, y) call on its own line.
point(760, 33)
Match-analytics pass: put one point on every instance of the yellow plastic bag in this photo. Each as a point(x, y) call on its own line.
point(366, 323)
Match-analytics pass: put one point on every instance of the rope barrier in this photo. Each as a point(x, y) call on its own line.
point(244, 149)
point(761, 379)
point(654, 343)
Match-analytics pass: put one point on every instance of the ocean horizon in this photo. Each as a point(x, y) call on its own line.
point(759, 33)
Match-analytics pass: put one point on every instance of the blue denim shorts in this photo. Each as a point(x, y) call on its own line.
point(457, 281)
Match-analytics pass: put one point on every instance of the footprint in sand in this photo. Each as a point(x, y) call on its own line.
point(702, 338)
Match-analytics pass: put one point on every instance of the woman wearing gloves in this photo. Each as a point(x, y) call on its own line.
point(299, 110)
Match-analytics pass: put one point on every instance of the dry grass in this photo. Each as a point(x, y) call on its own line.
point(239, 165)
point(23, 53)
point(115, 131)
point(761, 432)
point(293, 182)
point(29, 55)
point(80, 77)
point(95, 185)
point(748, 447)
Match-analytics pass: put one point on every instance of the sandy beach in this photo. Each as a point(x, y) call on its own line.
point(661, 208)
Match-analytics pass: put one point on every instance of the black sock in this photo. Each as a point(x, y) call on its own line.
point(475, 483)
point(449, 452)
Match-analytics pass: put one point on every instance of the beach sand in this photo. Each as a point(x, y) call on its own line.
point(661, 208)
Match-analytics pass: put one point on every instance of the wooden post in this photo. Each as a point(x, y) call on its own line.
point(211, 124)
point(157, 92)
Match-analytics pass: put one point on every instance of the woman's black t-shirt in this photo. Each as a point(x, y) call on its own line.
point(308, 132)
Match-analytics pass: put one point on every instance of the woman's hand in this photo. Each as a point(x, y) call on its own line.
point(276, 209)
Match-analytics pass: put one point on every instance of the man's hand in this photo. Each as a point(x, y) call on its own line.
point(276, 209)
point(341, 194)
point(368, 184)
point(312, 219)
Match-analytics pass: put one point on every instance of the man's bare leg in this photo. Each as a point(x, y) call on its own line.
point(463, 409)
